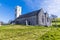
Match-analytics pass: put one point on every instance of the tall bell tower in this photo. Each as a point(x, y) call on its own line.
point(18, 10)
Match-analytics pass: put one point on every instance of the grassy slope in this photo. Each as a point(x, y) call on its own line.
point(18, 32)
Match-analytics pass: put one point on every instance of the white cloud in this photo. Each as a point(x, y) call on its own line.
point(52, 6)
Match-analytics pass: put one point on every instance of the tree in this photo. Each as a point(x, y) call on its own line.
point(10, 21)
point(53, 17)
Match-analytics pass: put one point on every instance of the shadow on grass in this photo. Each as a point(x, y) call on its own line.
point(56, 25)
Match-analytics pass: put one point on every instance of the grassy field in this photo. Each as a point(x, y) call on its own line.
point(19, 32)
point(22, 32)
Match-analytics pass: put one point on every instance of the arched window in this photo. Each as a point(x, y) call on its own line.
point(42, 19)
point(47, 19)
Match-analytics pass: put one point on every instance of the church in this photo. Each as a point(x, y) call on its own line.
point(37, 17)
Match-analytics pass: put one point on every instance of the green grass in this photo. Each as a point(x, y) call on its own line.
point(20, 32)
point(57, 22)
point(53, 34)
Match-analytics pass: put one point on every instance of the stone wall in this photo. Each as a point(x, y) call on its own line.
point(40, 16)
point(38, 19)
point(31, 20)
point(47, 20)
point(43, 19)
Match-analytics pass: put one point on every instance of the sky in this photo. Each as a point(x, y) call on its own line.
point(7, 7)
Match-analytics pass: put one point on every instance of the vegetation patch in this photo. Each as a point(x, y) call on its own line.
point(22, 32)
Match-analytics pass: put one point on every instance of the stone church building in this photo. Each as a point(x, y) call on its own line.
point(37, 17)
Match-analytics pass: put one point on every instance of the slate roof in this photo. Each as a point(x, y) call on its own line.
point(29, 14)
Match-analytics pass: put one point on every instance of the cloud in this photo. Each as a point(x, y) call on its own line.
point(51, 6)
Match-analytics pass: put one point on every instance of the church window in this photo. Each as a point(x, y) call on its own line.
point(47, 19)
point(42, 19)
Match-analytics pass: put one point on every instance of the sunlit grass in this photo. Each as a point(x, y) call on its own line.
point(57, 22)
point(19, 32)
point(22, 32)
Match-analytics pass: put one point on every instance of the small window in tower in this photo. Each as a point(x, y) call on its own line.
point(19, 9)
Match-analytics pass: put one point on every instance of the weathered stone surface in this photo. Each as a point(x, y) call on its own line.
point(34, 18)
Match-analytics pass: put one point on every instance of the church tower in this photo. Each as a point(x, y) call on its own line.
point(17, 11)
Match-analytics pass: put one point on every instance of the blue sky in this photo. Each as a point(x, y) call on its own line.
point(7, 7)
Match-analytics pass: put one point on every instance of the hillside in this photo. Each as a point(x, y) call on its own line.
point(22, 32)
point(19, 32)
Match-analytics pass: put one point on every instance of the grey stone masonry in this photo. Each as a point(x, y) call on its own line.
point(37, 17)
